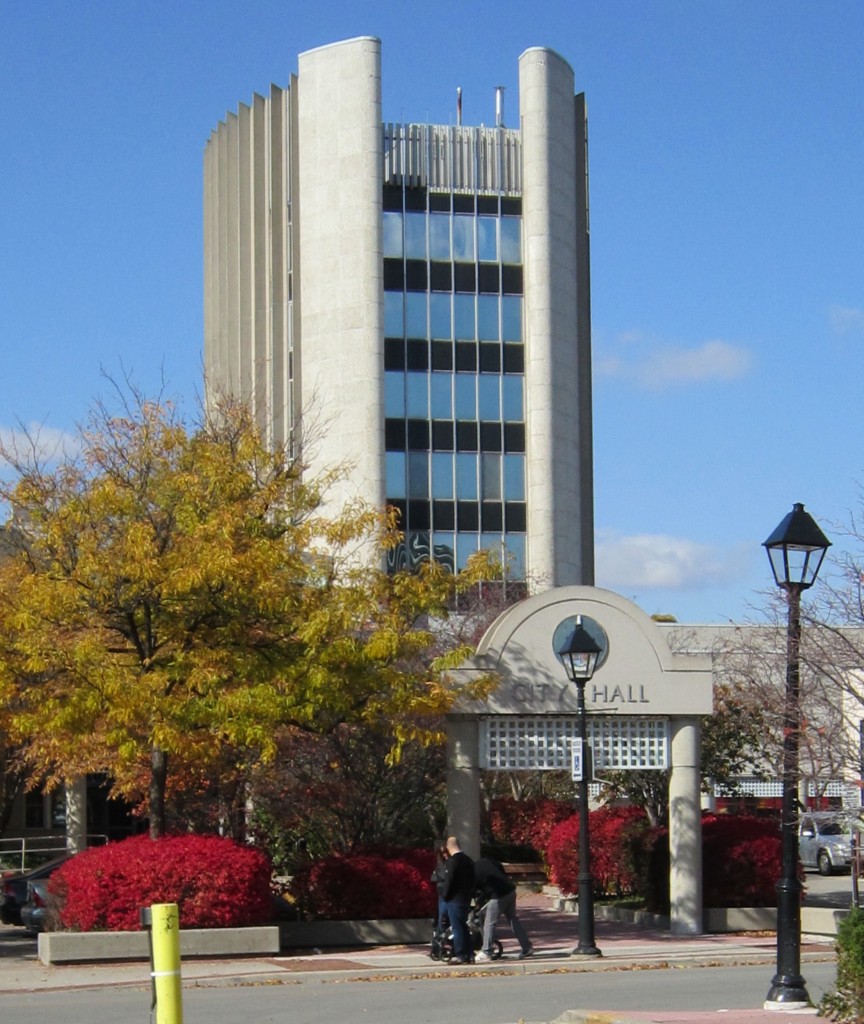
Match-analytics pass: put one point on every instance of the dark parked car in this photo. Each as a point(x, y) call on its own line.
point(35, 907)
point(13, 888)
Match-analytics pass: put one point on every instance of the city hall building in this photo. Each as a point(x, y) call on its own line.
point(420, 292)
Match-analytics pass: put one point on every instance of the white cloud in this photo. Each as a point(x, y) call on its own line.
point(35, 439)
point(658, 561)
point(656, 368)
point(846, 319)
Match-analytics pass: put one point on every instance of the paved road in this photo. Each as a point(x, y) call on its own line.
point(830, 891)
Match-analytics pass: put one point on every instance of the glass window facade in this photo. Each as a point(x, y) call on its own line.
point(454, 381)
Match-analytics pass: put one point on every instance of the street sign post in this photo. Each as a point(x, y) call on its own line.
point(578, 766)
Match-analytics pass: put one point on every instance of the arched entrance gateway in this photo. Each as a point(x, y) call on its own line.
point(643, 702)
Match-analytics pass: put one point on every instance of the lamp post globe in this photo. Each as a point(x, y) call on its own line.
point(796, 550)
point(580, 655)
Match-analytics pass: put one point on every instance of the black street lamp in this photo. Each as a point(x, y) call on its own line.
point(580, 656)
point(796, 550)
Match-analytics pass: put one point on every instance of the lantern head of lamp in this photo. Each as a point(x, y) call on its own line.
point(796, 549)
point(580, 654)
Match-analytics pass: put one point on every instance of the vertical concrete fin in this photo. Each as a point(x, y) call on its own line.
point(340, 167)
point(557, 354)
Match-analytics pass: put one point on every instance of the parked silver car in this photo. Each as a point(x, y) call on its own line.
point(824, 842)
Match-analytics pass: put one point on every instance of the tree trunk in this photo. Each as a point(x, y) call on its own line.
point(12, 785)
point(158, 779)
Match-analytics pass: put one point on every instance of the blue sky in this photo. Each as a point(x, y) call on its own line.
point(727, 214)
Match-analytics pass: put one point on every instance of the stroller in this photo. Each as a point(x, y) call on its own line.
point(441, 947)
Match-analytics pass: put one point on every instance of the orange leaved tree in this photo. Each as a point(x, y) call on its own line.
point(177, 592)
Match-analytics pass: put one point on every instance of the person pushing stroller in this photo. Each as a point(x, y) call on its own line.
point(498, 892)
point(457, 890)
point(439, 946)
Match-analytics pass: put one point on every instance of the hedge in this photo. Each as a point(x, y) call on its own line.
point(613, 833)
point(369, 886)
point(741, 862)
point(215, 882)
point(526, 822)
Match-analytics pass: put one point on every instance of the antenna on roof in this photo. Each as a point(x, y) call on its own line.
point(458, 104)
point(499, 106)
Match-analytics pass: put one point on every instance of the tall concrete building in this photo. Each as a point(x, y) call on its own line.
point(422, 293)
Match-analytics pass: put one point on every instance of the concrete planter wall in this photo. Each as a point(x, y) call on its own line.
point(814, 920)
point(92, 947)
point(89, 947)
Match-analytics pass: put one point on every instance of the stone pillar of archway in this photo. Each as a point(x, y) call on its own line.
point(685, 829)
point(463, 783)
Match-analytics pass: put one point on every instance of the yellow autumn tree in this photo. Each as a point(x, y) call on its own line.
point(177, 592)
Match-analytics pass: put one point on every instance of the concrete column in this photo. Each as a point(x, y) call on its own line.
point(463, 782)
point(685, 829)
point(339, 201)
point(556, 323)
point(76, 814)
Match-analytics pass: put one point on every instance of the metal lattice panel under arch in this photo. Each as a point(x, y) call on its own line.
point(773, 788)
point(514, 743)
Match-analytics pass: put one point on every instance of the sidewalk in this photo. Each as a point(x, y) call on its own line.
point(554, 935)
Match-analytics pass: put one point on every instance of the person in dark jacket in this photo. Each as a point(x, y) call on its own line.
point(458, 890)
point(494, 886)
point(439, 880)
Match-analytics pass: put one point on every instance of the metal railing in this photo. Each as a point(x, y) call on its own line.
point(18, 852)
point(453, 158)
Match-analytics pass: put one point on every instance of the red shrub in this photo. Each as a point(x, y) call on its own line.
point(367, 887)
point(216, 883)
point(612, 865)
point(651, 859)
point(562, 855)
point(527, 822)
point(741, 861)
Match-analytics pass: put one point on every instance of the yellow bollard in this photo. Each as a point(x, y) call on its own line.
point(167, 986)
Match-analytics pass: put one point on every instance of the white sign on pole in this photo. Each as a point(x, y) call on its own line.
point(578, 760)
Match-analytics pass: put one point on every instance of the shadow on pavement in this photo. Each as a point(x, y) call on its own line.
point(15, 943)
